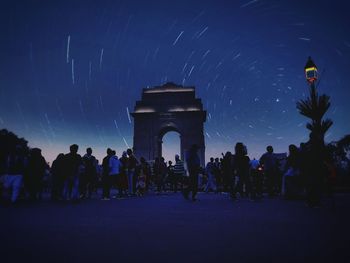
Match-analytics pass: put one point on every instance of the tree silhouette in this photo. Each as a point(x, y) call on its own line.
point(314, 107)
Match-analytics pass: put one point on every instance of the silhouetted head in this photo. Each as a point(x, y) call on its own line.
point(124, 154)
point(240, 149)
point(113, 152)
point(74, 148)
point(162, 159)
point(269, 149)
point(293, 149)
point(89, 151)
point(228, 154)
point(170, 162)
point(129, 152)
point(177, 157)
point(216, 160)
point(109, 151)
point(211, 159)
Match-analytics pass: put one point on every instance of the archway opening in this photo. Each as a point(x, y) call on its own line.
point(171, 145)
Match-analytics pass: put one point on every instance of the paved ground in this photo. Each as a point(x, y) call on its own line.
point(167, 228)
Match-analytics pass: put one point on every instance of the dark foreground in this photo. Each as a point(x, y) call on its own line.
point(167, 228)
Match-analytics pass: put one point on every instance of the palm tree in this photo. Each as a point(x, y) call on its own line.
point(314, 107)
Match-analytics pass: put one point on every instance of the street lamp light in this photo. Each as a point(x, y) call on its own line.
point(310, 71)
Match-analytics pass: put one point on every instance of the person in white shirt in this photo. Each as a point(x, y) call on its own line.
point(115, 167)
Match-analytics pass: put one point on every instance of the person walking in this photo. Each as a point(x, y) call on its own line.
point(193, 166)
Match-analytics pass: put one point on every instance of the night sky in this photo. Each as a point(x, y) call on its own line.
point(71, 71)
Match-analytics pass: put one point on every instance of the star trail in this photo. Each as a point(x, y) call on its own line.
point(71, 71)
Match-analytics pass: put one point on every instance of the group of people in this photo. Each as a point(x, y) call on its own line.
point(306, 171)
point(75, 177)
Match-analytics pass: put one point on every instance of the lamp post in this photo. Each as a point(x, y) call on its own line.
point(311, 71)
point(314, 107)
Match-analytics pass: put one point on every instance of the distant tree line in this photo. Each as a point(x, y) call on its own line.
point(340, 153)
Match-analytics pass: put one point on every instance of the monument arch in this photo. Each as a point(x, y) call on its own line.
point(166, 108)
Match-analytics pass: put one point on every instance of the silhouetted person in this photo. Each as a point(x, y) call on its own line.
point(123, 177)
point(115, 167)
point(227, 171)
point(132, 164)
point(256, 179)
point(193, 166)
point(291, 177)
point(218, 174)
point(242, 170)
point(144, 171)
point(270, 163)
point(159, 170)
point(89, 177)
point(15, 169)
point(179, 172)
point(73, 164)
point(210, 172)
point(57, 173)
point(171, 176)
point(105, 175)
point(36, 172)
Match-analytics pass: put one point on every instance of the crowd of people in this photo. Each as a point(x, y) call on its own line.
point(74, 177)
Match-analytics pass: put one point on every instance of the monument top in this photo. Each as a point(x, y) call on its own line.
point(168, 98)
point(168, 87)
